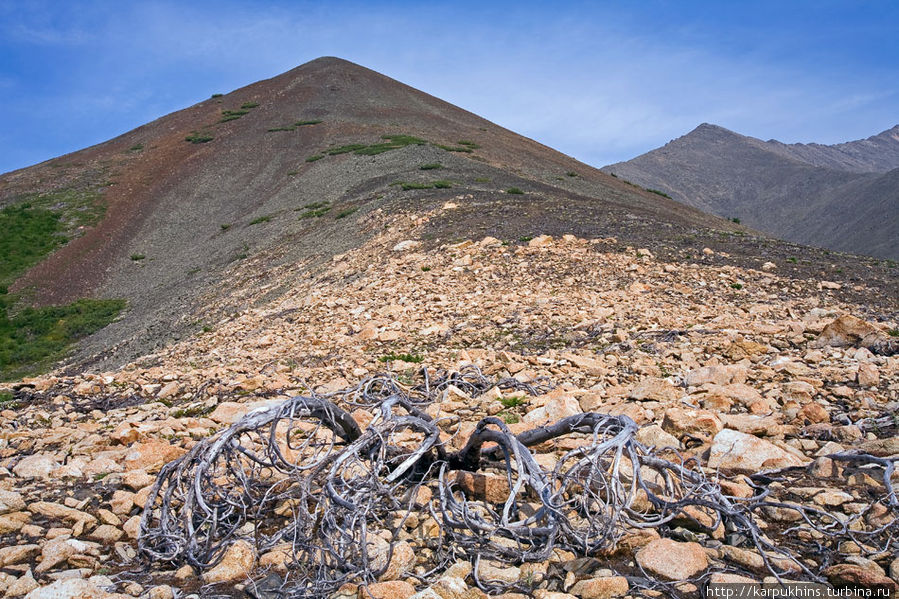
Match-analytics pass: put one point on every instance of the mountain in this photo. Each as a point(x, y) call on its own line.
point(201, 206)
point(838, 197)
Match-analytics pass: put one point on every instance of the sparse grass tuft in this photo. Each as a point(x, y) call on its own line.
point(217, 95)
point(136, 148)
point(346, 213)
point(231, 115)
point(315, 157)
point(137, 257)
point(442, 184)
point(464, 149)
point(735, 220)
point(249, 105)
point(736, 286)
point(893, 332)
point(431, 166)
point(425, 268)
point(571, 174)
point(261, 219)
point(315, 209)
point(509, 417)
point(304, 123)
point(514, 191)
point(225, 226)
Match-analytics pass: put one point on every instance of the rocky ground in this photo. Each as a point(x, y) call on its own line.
point(743, 370)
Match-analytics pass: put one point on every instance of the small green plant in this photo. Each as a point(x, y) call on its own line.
point(571, 174)
point(346, 213)
point(735, 220)
point(425, 268)
point(513, 401)
point(893, 332)
point(249, 105)
point(305, 123)
point(659, 193)
point(315, 157)
point(430, 166)
point(243, 254)
point(6, 397)
point(509, 417)
point(514, 191)
point(442, 184)
point(136, 148)
point(468, 144)
point(137, 257)
point(207, 328)
point(199, 138)
point(292, 173)
point(217, 95)
point(736, 286)
point(225, 226)
point(411, 358)
point(261, 219)
point(482, 180)
point(792, 259)
point(525, 238)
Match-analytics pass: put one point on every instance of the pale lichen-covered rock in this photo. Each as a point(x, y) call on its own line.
point(736, 452)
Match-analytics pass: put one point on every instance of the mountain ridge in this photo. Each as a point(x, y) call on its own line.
point(806, 193)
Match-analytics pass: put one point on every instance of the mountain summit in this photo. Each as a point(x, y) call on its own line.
point(841, 196)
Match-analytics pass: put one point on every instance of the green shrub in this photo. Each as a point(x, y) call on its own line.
point(249, 105)
point(315, 157)
point(431, 166)
point(408, 186)
point(261, 219)
point(442, 184)
point(571, 174)
point(425, 268)
point(199, 138)
point(217, 95)
point(468, 144)
point(137, 257)
point(482, 180)
point(346, 213)
point(514, 191)
point(136, 148)
point(304, 123)
point(736, 286)
point(225, 226)
point(893, 332)
point(660, 193)
point(735, 220)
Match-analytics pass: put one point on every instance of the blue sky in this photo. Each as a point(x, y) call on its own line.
point(601, 81)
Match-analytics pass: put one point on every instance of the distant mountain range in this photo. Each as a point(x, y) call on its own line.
point(842, 197)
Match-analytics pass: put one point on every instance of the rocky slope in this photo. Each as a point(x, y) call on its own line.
point(283, 168)
point(840, 197)
point(702, 354)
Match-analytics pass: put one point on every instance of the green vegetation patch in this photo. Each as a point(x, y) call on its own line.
point(261, 219)
point(27, 235)
point(137, 257)
point(33, 338)
point(657, 192)
point(231, 115)
point(249, 105)
point(431, 166)
point(136, 149)
point(198, 137)
point(514, 191)
point(315, 157)
point(346, 213)
point(306, 123)
point(513, 402)
point(315, 209)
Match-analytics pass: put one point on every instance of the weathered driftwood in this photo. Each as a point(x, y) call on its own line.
point(304, 474)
